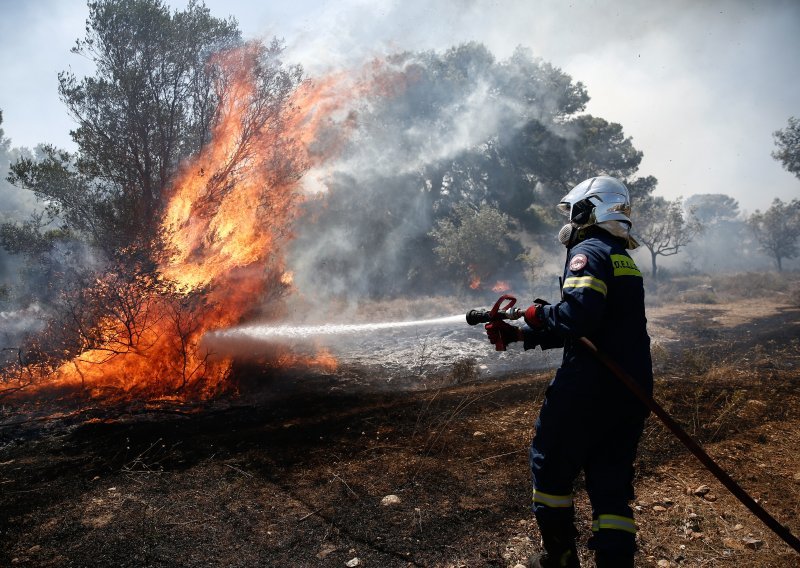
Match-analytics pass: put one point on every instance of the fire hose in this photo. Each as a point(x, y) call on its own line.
point(507, 311)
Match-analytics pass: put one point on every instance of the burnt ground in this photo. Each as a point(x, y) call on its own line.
point(293, 473)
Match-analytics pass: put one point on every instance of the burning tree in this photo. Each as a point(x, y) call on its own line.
point(190, 243)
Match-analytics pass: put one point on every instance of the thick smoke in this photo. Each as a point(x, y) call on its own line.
point(30, 281)
point(444, 130)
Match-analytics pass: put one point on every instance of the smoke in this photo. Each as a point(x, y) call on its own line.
point(441, 131)
point(30, 283)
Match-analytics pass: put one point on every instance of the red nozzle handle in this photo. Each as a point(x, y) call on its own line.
point(499, 345)
point(497, 307)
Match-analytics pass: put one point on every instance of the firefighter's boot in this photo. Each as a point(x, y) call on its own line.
point(567, 559)
point(559, 549)
point(605, 559)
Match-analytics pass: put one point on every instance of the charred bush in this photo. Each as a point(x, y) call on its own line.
point(464, 370)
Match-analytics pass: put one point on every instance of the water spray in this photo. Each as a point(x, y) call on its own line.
point(266, 332)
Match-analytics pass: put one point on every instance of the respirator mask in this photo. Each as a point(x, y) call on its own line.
point(581, 214)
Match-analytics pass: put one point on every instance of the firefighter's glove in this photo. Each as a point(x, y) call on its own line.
point(500, 330)
point(534, 316)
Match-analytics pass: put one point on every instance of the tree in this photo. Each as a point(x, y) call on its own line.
point(788, 146)
point(777, 230)
point(475, 241)
point(459, 127)
point(663, 227)
point(153, 101)
point(712, 208)
point(599, 146)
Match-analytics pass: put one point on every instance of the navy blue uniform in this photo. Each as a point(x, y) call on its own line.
point(589, 420)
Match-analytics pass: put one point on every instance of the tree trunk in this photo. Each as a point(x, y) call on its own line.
point(780, 265)
point(654, 267)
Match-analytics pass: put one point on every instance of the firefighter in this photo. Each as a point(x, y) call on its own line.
point(589, 420)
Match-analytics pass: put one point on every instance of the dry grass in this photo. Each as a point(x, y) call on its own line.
point(299, 481)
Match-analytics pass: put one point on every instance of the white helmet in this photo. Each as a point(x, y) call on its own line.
point(596, 200)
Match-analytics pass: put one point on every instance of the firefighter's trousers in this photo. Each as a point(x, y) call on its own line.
point(578, 430)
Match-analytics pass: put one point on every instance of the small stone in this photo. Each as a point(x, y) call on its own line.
point(797, 477)
point(353, 563)
point(738, 527)
point(753, 543)
point(733, 543)
point(710, 497)
point(479, 434)
point(663, 563)
point(519, 566)
point(659, 508)
point(325, 551)
point(390, 500)
point(702, 490)
point(34, 549)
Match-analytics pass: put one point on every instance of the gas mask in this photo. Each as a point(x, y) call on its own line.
point(565, 234)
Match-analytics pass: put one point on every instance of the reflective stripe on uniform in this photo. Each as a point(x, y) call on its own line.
point(586, 282)
point(624, 266)
point(615, 522)
point(549, 500)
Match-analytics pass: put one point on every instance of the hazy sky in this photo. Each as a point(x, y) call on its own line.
point(699, 85)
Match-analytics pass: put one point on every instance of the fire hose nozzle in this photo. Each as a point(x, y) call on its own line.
point(474, 317)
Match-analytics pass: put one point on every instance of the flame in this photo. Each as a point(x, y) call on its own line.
point(474, 279)
point(224, 227)
point(501, 286)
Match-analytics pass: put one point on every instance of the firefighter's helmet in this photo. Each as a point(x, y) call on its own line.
point(596, 200)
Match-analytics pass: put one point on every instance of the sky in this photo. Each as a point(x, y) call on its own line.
point(700, 86)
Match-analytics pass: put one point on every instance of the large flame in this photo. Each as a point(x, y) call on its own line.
point(224, 228)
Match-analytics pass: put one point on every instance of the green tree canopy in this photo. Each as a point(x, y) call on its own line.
point(787, 142)
point(777, 230)
point(473, 241)
point(712, 208)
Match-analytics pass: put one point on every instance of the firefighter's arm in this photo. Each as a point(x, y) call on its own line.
point(545, 338)
point(584, 295)
point(534, 332)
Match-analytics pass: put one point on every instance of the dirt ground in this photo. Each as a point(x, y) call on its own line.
point(294, 473)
